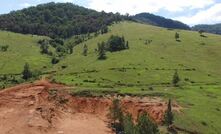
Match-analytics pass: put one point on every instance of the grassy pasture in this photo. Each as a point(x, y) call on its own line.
point(147, 70)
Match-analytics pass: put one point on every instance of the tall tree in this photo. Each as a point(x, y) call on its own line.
point(101, 51)
point(85, 49)
point(129, 126)
point(27, 74)
point(116, 115)
point(168, 117)
point(176, 79)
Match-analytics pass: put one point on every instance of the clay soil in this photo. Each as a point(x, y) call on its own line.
point(47, 108)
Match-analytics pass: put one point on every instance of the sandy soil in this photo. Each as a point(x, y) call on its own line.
point(38, 108)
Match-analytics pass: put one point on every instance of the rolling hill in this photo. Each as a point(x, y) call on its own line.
point(148, 69)
point(21, 49)
point(56, 20)
point(159, 21)
point(145, 69)
point(216, 28)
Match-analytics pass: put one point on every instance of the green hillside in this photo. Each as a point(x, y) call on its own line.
point(148, 68)
point(196, 58)
point(145, 69)
point(21, 49)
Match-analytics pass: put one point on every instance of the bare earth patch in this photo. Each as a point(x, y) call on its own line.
point(46, 108)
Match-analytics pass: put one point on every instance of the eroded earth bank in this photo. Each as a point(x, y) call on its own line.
point(47, 108)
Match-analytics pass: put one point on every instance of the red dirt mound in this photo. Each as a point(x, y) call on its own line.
point(46, 108)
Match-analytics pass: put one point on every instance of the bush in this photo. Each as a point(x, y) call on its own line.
point(101, 51)
point(54, 60)
point(145, 125)
point(4, 48)
point(26, 74)
point(176, 79)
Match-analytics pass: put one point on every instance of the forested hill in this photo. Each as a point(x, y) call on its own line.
point(160, 21)
point(216, 28)
point(56, 20)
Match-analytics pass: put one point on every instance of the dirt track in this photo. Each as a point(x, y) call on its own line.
point(39, 109)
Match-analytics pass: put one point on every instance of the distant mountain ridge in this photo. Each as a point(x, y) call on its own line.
point(160, 21)
point(216, 28)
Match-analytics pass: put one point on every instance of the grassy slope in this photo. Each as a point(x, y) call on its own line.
point(22, 49)
point(153, 65)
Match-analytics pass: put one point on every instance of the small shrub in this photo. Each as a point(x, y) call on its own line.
point(54, 60)
point(204, 123)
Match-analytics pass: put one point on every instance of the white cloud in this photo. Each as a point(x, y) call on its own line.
point(25, 5)
point(64, 1)
point(209, 16)
point(136, 6)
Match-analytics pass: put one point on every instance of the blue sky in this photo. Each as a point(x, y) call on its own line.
point(191, 12)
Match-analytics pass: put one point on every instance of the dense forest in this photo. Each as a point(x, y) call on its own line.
point(57, 20)
point(160, 21)
point(216, 28)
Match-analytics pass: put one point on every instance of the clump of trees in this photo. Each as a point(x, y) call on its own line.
point(4, 48)
point(26, 73)
point(176, 79)
point(59, 47)
point(114, 43)
point(124, 124)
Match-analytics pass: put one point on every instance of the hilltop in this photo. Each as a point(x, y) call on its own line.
point(57, 20)
point(160, 21)
point(216, 28)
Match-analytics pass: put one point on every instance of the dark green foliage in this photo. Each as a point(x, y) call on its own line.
point(127, 45)
point(177, 36)
point(101, 51)
point(201, 32)
point(160, 21)
point(129, 126)
point(116, 43)
point(57, 20)
point(54, 60)
point(85, 49)
point(26, 74)
point(216, 28)
point(116, 112)
point(70, 48)
point(4, 48)
point(145, 125)
point(116, 115)
point(176, 78)
point(104, 29)
point(124, 124)
point(44, 48)
point(168, 117)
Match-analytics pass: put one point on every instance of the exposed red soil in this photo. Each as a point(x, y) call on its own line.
point(37, 108)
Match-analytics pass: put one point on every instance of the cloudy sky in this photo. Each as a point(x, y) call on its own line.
point(190, 12)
